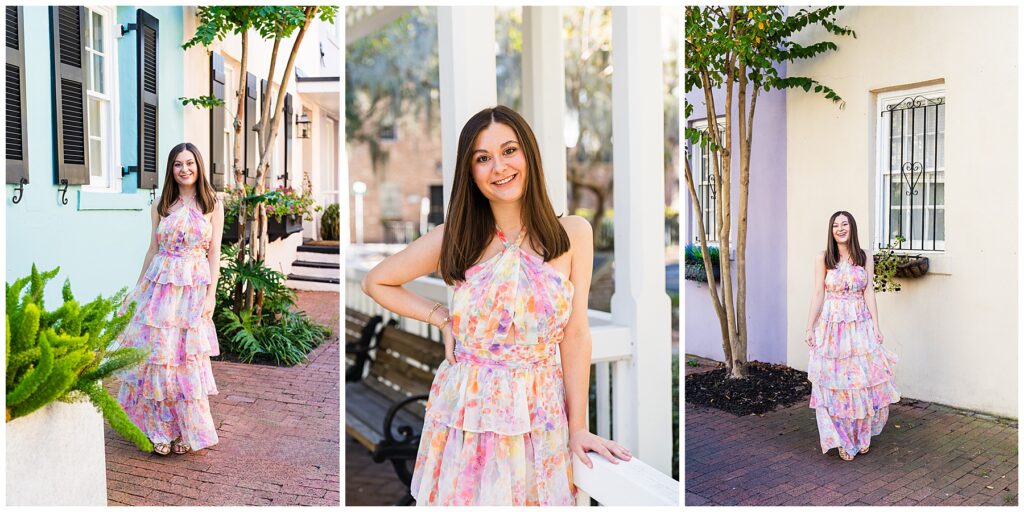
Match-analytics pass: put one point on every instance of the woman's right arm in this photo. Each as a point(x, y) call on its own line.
point(817, 298)
point(384, 282)
point(153, 244)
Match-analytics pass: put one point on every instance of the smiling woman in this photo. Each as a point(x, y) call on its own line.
point(166, 396)
point(507, 407)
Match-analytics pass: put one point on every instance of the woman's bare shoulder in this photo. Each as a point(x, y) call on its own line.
point(576, 227)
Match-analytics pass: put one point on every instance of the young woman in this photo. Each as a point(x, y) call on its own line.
point(850, 370)
point(166, 395)
point(508, 404)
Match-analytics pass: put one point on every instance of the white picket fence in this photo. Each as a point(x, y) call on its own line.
point(633, 483)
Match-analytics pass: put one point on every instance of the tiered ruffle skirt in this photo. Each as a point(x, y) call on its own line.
point(495, 431)
point(851, 373)
point(167, 394)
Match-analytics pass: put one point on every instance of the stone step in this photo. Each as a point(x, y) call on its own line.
point(319, 254)
point(316, 269)
point(316, 284)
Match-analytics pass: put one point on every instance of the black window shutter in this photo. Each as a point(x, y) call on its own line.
point(148, 31)
point(218, 164)
point(287, 136)
point(250, 135)
point(17, 136)
point(70, 66)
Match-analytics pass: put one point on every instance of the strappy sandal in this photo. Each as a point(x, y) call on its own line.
point(180, 447)
point(843, 455)
point(161, 448)
point(865, 449)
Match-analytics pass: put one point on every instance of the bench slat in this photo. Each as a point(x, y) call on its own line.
point(417, 348)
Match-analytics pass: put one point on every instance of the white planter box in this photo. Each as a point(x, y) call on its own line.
point(55, 456)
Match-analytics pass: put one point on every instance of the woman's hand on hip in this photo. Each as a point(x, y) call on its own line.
point(582, 441)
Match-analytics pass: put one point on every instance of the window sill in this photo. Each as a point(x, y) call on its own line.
point(111, 201)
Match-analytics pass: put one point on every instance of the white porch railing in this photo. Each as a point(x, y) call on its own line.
point(632, 483)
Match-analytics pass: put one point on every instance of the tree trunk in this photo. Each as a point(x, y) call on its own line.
point(708, 267)
point(239, 290)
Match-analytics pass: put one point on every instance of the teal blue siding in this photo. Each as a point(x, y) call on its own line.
point(98, 240)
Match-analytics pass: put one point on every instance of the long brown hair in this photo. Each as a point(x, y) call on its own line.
point(832, 249)
point(470, 223)
point(206, 197)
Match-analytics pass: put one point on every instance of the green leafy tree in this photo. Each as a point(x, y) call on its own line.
point(271, 22)
point(65, 354)
point(739, 49)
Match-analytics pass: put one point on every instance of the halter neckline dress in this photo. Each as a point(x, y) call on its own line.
point(495, 431)
point(850, 370)
point(167, 394)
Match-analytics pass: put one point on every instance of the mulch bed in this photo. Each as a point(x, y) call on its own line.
point(766, 387)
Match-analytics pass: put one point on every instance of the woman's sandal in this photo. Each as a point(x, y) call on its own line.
point(161, 448)
point(843, 455)
point(865, 449)
point(180, 447)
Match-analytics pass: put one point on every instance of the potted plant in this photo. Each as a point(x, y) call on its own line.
point(286, 208)
point(695, 263)
point(889, 265)
point(56, 361)
point(329, 223)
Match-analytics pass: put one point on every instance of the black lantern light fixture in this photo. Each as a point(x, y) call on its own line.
point(304, 125)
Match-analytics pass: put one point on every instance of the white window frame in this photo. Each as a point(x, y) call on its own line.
point(882, 209)
point(110, 137)
point(694, 234)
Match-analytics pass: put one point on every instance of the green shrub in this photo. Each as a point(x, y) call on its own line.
point(63, 354)
point(280, 334)
point(329, 222)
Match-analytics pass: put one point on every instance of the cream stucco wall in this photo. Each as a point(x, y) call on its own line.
point(955, 330)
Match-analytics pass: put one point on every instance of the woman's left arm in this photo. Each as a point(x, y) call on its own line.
point(213, 257)
point(576, 348)
point(869, 295)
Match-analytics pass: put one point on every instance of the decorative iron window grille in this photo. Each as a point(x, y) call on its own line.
point(705, 184)
point(913, 174)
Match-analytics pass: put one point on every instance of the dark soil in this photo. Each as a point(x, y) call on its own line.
point(766, 387)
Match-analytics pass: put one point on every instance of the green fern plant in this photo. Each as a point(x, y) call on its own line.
point(329, 222)
point(64, 354)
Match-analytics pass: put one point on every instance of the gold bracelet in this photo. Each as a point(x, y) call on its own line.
point(432, 310)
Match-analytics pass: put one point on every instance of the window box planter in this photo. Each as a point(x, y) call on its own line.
point(288, 225)
point(696, 272)
point(230, 233)
point(694, 260)
point(55, 456)
point(909, 266)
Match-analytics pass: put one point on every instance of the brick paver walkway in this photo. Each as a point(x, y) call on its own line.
point(278, 428)
point(927, 455)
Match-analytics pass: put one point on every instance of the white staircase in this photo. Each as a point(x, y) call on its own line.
point(316, 268)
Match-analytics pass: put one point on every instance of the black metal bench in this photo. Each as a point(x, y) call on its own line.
point(384, 411)
point(360, 332)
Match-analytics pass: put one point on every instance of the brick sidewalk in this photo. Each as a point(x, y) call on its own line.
point(278, 431)
point(927, 455)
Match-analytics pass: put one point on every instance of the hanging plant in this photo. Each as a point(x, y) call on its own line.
point(890, 265)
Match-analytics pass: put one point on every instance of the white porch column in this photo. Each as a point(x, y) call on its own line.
point(643, 407)
point(344, 187)
point(544, 95)
point(468, 75)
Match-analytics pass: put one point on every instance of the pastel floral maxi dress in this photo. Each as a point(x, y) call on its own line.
point(495, 431)
point(166, 395)
point(850, 370)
